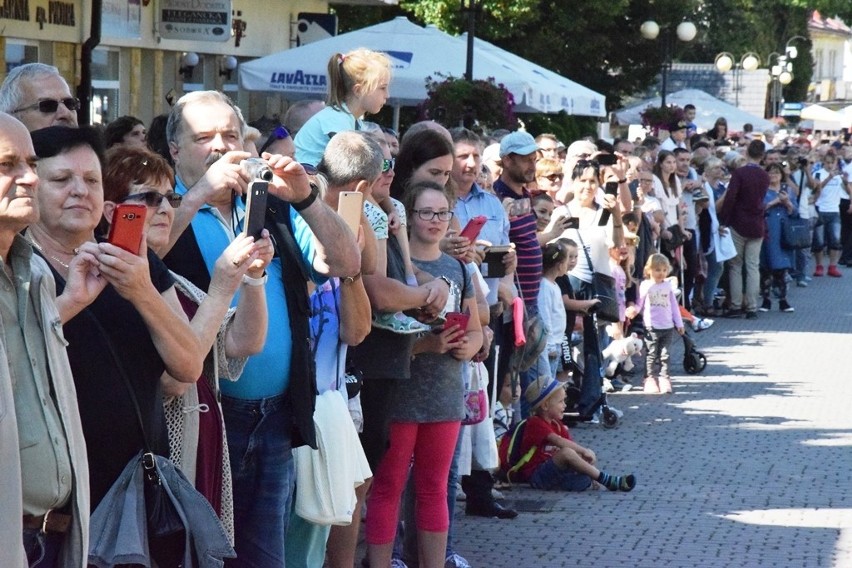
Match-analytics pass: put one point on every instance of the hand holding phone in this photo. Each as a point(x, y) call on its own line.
point(256, 208)
point(473, 227)
point(350, 205)
point(456, 318)
point(127, 227)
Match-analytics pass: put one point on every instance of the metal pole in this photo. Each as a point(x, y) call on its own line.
point(666, 61)
point(471, 30)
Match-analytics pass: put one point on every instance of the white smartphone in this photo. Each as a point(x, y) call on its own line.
point(350, 205)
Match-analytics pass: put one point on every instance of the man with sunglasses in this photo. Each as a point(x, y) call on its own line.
point(37, 95)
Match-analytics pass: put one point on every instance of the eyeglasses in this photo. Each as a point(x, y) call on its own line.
point(50, 106)
point(154, 198)
point(646, 180)
point(280, 133)
point(429, 215)
point(310, 169)
point(388, 164)
point(555, 177)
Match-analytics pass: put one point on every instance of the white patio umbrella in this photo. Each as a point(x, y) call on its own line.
point(824, 118)
point(708, 109)
point(415, 52)
point(560, 93)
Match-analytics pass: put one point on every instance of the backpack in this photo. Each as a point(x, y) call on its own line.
point(509, 452)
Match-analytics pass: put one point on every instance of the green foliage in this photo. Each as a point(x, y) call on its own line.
point(565, 127)
point(474, 104)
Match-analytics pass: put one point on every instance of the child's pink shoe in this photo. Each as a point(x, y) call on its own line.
point(651, 386)
point(665, 385)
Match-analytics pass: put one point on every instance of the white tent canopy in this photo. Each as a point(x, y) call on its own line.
point(824, 118)
point(707, 110)
point(416, 53)
point(560, 92)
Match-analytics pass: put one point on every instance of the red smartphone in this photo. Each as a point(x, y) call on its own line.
point(128, 224)
point(471, 230)
point(456, 318)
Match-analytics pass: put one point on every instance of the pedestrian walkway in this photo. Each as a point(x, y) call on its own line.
point(746, 465)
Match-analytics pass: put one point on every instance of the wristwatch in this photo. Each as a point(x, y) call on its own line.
point(249, 281)
point(309, 200)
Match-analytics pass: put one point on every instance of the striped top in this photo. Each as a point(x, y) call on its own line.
point(522, 233)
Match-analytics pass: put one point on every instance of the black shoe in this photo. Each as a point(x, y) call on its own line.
point(766, 306)
point(751, 315)
point(785, 307)
point(734, 313)
point(489, 510)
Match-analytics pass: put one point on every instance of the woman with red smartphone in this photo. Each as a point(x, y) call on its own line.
point(426, 412)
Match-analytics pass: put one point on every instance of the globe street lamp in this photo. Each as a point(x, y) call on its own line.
point(725, 61)
point(685, 32)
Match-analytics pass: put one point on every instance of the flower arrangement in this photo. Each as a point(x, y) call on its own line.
point(477, 104)
point(659, 118)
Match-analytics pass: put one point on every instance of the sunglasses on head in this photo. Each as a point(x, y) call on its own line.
point(50, 106)
point(154, 198)
point(388, 164)
point(280, 133)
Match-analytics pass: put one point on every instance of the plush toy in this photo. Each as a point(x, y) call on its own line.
point(621, 351)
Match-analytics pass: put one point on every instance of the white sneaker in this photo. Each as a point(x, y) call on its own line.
point(700, 324)
point(454, 560)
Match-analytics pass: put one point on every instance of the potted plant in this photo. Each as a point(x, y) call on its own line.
point(659, 118)
point(478, 104)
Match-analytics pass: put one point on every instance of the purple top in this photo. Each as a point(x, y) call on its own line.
point(742, 209)
point(658, 305)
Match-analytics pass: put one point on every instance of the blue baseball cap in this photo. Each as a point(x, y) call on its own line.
point(518, 142)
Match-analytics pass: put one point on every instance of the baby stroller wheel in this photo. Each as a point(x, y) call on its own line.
point(694, 362)
point(702, 362)
point(609, 419)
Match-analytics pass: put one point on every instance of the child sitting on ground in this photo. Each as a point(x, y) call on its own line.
point(558, 462)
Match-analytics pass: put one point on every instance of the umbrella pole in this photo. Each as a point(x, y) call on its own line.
point(396, 117)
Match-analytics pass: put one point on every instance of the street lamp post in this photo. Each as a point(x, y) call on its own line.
point(725, 61)
point(782, 75)
point(685, 31)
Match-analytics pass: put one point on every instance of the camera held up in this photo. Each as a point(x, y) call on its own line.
point(257, 169)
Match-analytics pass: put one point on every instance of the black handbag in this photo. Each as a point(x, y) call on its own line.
point(795, 233)
point(603, 289)
point(677, 237)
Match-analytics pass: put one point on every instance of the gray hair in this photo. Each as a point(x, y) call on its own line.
point(11, 92)
point(351, 156)
point(175, 123)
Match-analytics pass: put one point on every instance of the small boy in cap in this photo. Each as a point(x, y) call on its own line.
point(559, 462)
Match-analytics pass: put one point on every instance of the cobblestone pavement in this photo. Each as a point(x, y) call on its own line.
point(747, 464)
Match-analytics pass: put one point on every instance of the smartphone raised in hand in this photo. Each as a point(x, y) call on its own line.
point(350, 205)
point(127, 227)
point(473, 227)
point(256, 208)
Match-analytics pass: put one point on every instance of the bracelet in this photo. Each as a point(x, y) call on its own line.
point(249, 281)
point(308, 201)
point(351, 279)
point(621, 181)
point(447, 280)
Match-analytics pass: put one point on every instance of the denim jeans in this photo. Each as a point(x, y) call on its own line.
point(714, 274)
point(42, 549)
point(590, 390)
point(827, 232)
point(263, 477)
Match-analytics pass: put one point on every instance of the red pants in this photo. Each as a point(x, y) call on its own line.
point(432, 444)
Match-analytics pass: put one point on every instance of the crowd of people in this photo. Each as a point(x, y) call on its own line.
point(313, 374)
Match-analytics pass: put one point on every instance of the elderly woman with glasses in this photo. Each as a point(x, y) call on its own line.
point(133, 330)
point(196, 431)
point(549, 176)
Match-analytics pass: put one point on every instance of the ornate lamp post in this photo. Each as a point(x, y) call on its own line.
point(685, 32)
point(725, 61)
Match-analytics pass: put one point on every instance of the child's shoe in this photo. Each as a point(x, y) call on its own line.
point(617, 482)
point(398, 322)
point(819, 270)
point(833, 271)
point(665, 385)
point(651, 386)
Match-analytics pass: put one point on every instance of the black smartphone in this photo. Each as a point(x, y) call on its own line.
point(256, 208)
point(571, 223)
point(607, 159)
point(611, 188)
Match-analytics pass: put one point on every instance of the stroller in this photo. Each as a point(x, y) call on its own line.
point(694, 361)
point(609, 418)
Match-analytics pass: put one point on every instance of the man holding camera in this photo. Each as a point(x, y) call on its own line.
point(271, 408)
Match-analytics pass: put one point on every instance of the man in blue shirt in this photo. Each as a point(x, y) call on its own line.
point(270, 409)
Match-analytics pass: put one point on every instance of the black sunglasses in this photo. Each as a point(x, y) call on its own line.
point(50, 106)
point(280, 133)
point(154, 198)
point(388, 164)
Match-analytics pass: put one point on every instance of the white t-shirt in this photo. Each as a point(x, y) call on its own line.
point(552, 312)
point(670, 203)
point(832, 192)
point(594, 238)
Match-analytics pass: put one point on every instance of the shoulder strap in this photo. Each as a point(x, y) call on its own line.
point(586, 252)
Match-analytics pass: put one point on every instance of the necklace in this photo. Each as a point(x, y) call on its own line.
point(44, 252)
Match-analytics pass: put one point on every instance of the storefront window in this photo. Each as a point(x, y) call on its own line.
point(105, 86)
point(18, 54)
